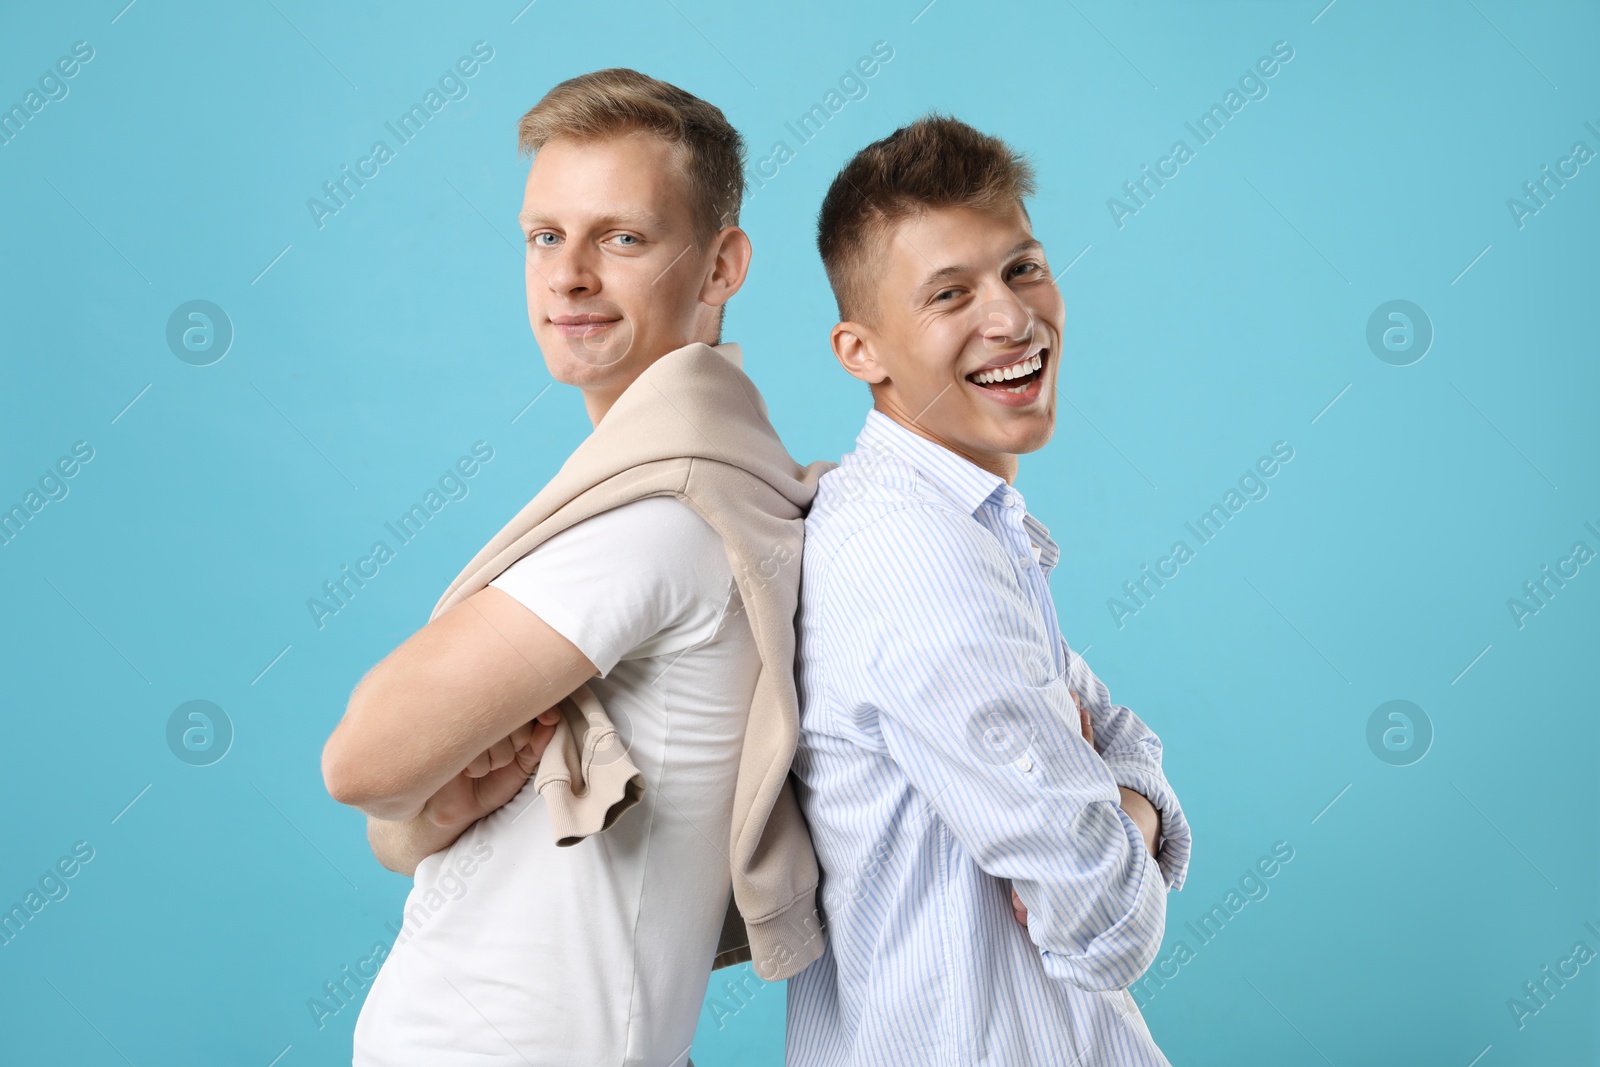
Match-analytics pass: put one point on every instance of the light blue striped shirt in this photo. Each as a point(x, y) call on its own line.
point(940, 759)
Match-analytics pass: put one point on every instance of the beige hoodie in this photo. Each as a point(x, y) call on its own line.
point(693, 425)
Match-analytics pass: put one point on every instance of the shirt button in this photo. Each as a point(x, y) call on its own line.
point(1025, 764)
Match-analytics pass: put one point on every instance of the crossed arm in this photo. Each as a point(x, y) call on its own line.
point(1080, 850)
point(1132, 753)
point(960, 669)
point(448, 726)
point(1137, 805)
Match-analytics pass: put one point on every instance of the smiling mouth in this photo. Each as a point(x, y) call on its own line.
point(582, 325)
point(1015, 377)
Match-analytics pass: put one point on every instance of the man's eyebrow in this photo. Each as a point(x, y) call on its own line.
point(947, 272)
point(1023, 246)
point(645, 219)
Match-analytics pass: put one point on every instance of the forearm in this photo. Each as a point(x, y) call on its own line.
point(401, 845)
point(1099, 928)
point(1075, 847)
point(1123, 891)
point(459, 685)
point(1144, 816)
point(396, 775)
point(1132, 752)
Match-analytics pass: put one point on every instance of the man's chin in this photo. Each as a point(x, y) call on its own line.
point(1036, 433)
point(1036, 441)
point(1022, 434)
point(575, 361)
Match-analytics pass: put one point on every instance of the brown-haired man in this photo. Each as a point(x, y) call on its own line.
point(634, 617)
point(949, 772)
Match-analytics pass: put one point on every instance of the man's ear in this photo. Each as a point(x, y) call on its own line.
point(854, 345)
point(730, 264)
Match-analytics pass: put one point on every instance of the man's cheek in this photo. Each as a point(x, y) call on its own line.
point(1048, 309)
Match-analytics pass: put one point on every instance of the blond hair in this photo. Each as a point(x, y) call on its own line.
point(605, 103)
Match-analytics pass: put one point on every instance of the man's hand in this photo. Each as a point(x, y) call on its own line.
point(1086, 724)
point(454, 689)
point(487, 784)
point(493, 777)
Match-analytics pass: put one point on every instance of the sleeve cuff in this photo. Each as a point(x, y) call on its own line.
point(564, 621)
point(1172, 853)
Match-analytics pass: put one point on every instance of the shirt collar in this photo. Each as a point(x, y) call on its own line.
point(1045, 550)
point(963, 482)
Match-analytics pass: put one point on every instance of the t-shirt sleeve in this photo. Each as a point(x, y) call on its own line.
point(646, 578)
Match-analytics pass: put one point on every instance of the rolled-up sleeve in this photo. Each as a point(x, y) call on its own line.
point(950, 661)
point(1133, 753)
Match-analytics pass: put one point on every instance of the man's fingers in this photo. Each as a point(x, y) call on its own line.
point(1085, 720)
point(528, 759)
point(499, 786)
point(519, 736)
point(501, 753)
point(1018, 908)
point(530, 752)
point(524, 746)
point(539, 740)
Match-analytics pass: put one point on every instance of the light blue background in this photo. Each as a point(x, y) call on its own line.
point(1229, 313)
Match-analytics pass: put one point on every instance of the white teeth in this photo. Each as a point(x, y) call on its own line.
point(1015, 370)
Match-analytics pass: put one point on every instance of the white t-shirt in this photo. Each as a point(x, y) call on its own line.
point(516, 952)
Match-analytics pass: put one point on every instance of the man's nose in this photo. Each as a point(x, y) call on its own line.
point(1005, 321)
point(570, 271)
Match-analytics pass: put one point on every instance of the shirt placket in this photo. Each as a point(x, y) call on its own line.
point(1015, 536)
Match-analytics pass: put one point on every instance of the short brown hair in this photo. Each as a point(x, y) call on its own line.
point(937, 161)
point(604, 103)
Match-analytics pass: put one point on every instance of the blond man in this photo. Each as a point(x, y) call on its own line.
point(636, 614)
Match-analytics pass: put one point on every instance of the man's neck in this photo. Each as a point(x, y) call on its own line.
point(1000, 464)
point(597, 404)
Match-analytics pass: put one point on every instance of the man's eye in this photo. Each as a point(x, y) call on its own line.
point(944, 295)
point(538, 239)
point(627, 240)
point(1025, 267)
